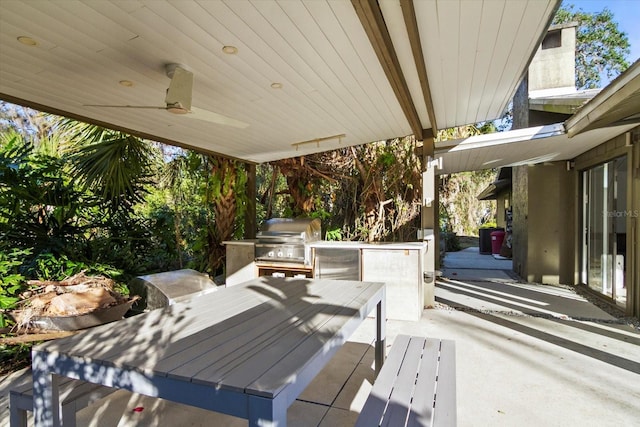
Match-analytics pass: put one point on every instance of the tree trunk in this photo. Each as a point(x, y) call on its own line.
point(300, 182)
point(224, 173)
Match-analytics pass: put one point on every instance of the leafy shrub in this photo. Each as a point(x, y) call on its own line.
point(14, 357)
point(334, 234)
point(12, 282)
point(51, 267)
point(489, 224)
point(451, 241)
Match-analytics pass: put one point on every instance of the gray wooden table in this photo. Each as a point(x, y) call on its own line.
point(247, 350)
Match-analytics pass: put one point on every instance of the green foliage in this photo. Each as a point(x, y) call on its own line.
point(460, 210)
point(489, 224)
point(452, 242)
point(113, 165)
point(271, 190)
point(381, 199)
point(601, 48)
point(178, 211)
point(47, 206)
point(387, 159)
point(14, 357)
point(12, 282)
point(333, 234)
point(40, 208)
point(51, 267)
point(321, 213)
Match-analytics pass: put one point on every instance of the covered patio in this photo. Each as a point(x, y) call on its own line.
point(274, 80)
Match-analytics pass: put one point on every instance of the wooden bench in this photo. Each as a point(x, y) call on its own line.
point(74, 396)
point(416, 386)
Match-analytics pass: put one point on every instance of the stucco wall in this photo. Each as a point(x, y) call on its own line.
point(551, 219)
point(544, 215)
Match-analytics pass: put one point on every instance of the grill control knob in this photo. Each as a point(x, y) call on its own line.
point(280, 254)
point(270, 254)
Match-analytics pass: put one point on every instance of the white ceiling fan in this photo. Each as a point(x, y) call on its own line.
point(178, 100)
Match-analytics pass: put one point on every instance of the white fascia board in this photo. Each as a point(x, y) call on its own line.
point(625, 84)
point(555, 91)
point(567, 103)
point(498, 138)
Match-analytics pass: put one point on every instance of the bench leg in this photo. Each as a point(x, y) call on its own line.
point(18, 406)
point(46, 407)
point(69, 414)
point(17, 416)
point(18, 411)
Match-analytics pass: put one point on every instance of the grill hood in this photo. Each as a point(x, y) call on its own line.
point(304, 230)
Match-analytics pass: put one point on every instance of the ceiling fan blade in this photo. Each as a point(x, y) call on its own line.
point(180, 89)
point(210, 116)
point(178, 100)
point(144, 107)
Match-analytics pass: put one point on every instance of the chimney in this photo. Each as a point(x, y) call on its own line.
point(552, 70)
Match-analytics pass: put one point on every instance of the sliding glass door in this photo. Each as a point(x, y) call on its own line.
point(605, 221)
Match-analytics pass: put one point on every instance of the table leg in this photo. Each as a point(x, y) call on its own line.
point(265, 412)
point(46, 407)
point(381, 333)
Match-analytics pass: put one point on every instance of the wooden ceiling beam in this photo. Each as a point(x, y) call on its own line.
point(411, 22)
point(373, 23)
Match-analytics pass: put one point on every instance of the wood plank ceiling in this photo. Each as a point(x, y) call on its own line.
point(368, 70)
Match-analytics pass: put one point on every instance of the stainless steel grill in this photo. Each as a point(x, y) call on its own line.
point(287, 240)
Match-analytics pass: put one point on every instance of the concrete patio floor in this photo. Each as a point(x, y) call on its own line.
point(526, 355)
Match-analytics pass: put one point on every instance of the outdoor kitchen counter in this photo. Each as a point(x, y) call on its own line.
point(401, 265)
point(247, 242)
point(240, 265)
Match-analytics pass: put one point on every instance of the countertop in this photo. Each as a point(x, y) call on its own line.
point(349, 244)
point(240, 242)
point(366, 245)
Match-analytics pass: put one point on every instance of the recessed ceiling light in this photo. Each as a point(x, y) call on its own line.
point(231, 50)
point(28, 41)
point(276, 85)
point(126, 83)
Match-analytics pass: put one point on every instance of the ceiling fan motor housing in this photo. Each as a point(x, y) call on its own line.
point(170, 69)
point(176, 108)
